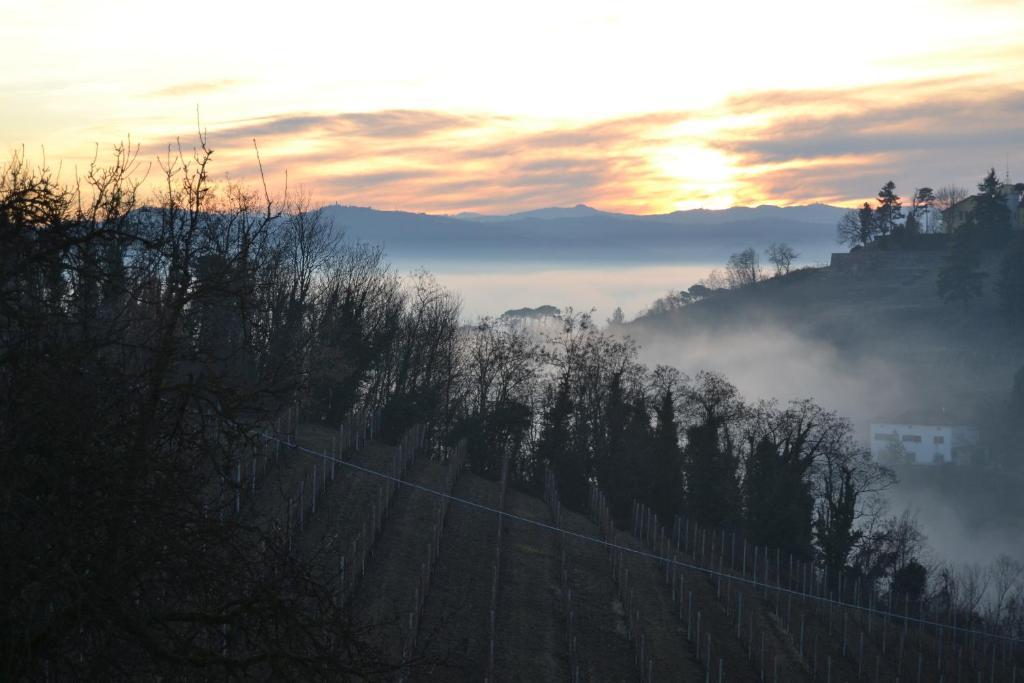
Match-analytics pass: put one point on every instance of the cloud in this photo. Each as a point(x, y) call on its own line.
point(970, 119)
point(776, 146)
point(437, 161)
point(843, 145)
point(388, 124)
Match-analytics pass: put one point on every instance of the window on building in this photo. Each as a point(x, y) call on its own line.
point(885, 437)
point(940, 439)
point(911, 438)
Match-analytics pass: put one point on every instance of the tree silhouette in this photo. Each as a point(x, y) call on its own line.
point(667, 483)
point(991, 215)
point(889, 210)
point(857, 227)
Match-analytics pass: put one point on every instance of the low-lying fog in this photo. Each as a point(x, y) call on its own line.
point(493, 287)
point(763, 362)
point(772, 362)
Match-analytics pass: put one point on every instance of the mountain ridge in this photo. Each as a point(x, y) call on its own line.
point(582, 234)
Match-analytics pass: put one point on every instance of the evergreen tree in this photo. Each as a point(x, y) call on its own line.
point(558, 448)
point(1010, 285)
point(889, 210)
point(634, 465)
point(910, 580)
point(911, 226)
point(779, 504)
point(922, 203)
point(667, 485)
point(990, 213)
point(867, 222)
point(837, 513)
point(712, 491)
point(959, 278)
point(609, 456)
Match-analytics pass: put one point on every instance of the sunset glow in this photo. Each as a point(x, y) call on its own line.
point(640, 107)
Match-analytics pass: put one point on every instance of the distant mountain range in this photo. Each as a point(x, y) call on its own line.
point(811, 213)
point(582, 234)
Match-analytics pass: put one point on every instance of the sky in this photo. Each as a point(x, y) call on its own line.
point(468, 105)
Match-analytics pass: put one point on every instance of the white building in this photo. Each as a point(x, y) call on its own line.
point(922, 441)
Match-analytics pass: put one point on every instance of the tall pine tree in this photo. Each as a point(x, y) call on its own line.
point(889, 210)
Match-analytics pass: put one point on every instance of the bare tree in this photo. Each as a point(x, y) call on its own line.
point(781, 255)
point(142, 349)
point(950, 195)
point(946, 198)
point(1007, 589)
point(715, 280)
point(857, 227)
point(744, 268)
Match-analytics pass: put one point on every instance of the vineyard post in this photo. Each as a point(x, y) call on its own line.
point(689, 615)
point(801, 635)
point(860, 656)
point(739, 613)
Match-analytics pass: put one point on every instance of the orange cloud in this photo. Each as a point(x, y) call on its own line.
point(785, 147)
point(434, 161)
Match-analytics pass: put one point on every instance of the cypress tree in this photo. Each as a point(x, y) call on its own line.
point(558, 448)
point(667, 489)
point(712, 492)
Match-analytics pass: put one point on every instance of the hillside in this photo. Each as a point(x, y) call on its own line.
point(875, 314)
point(437, 585)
